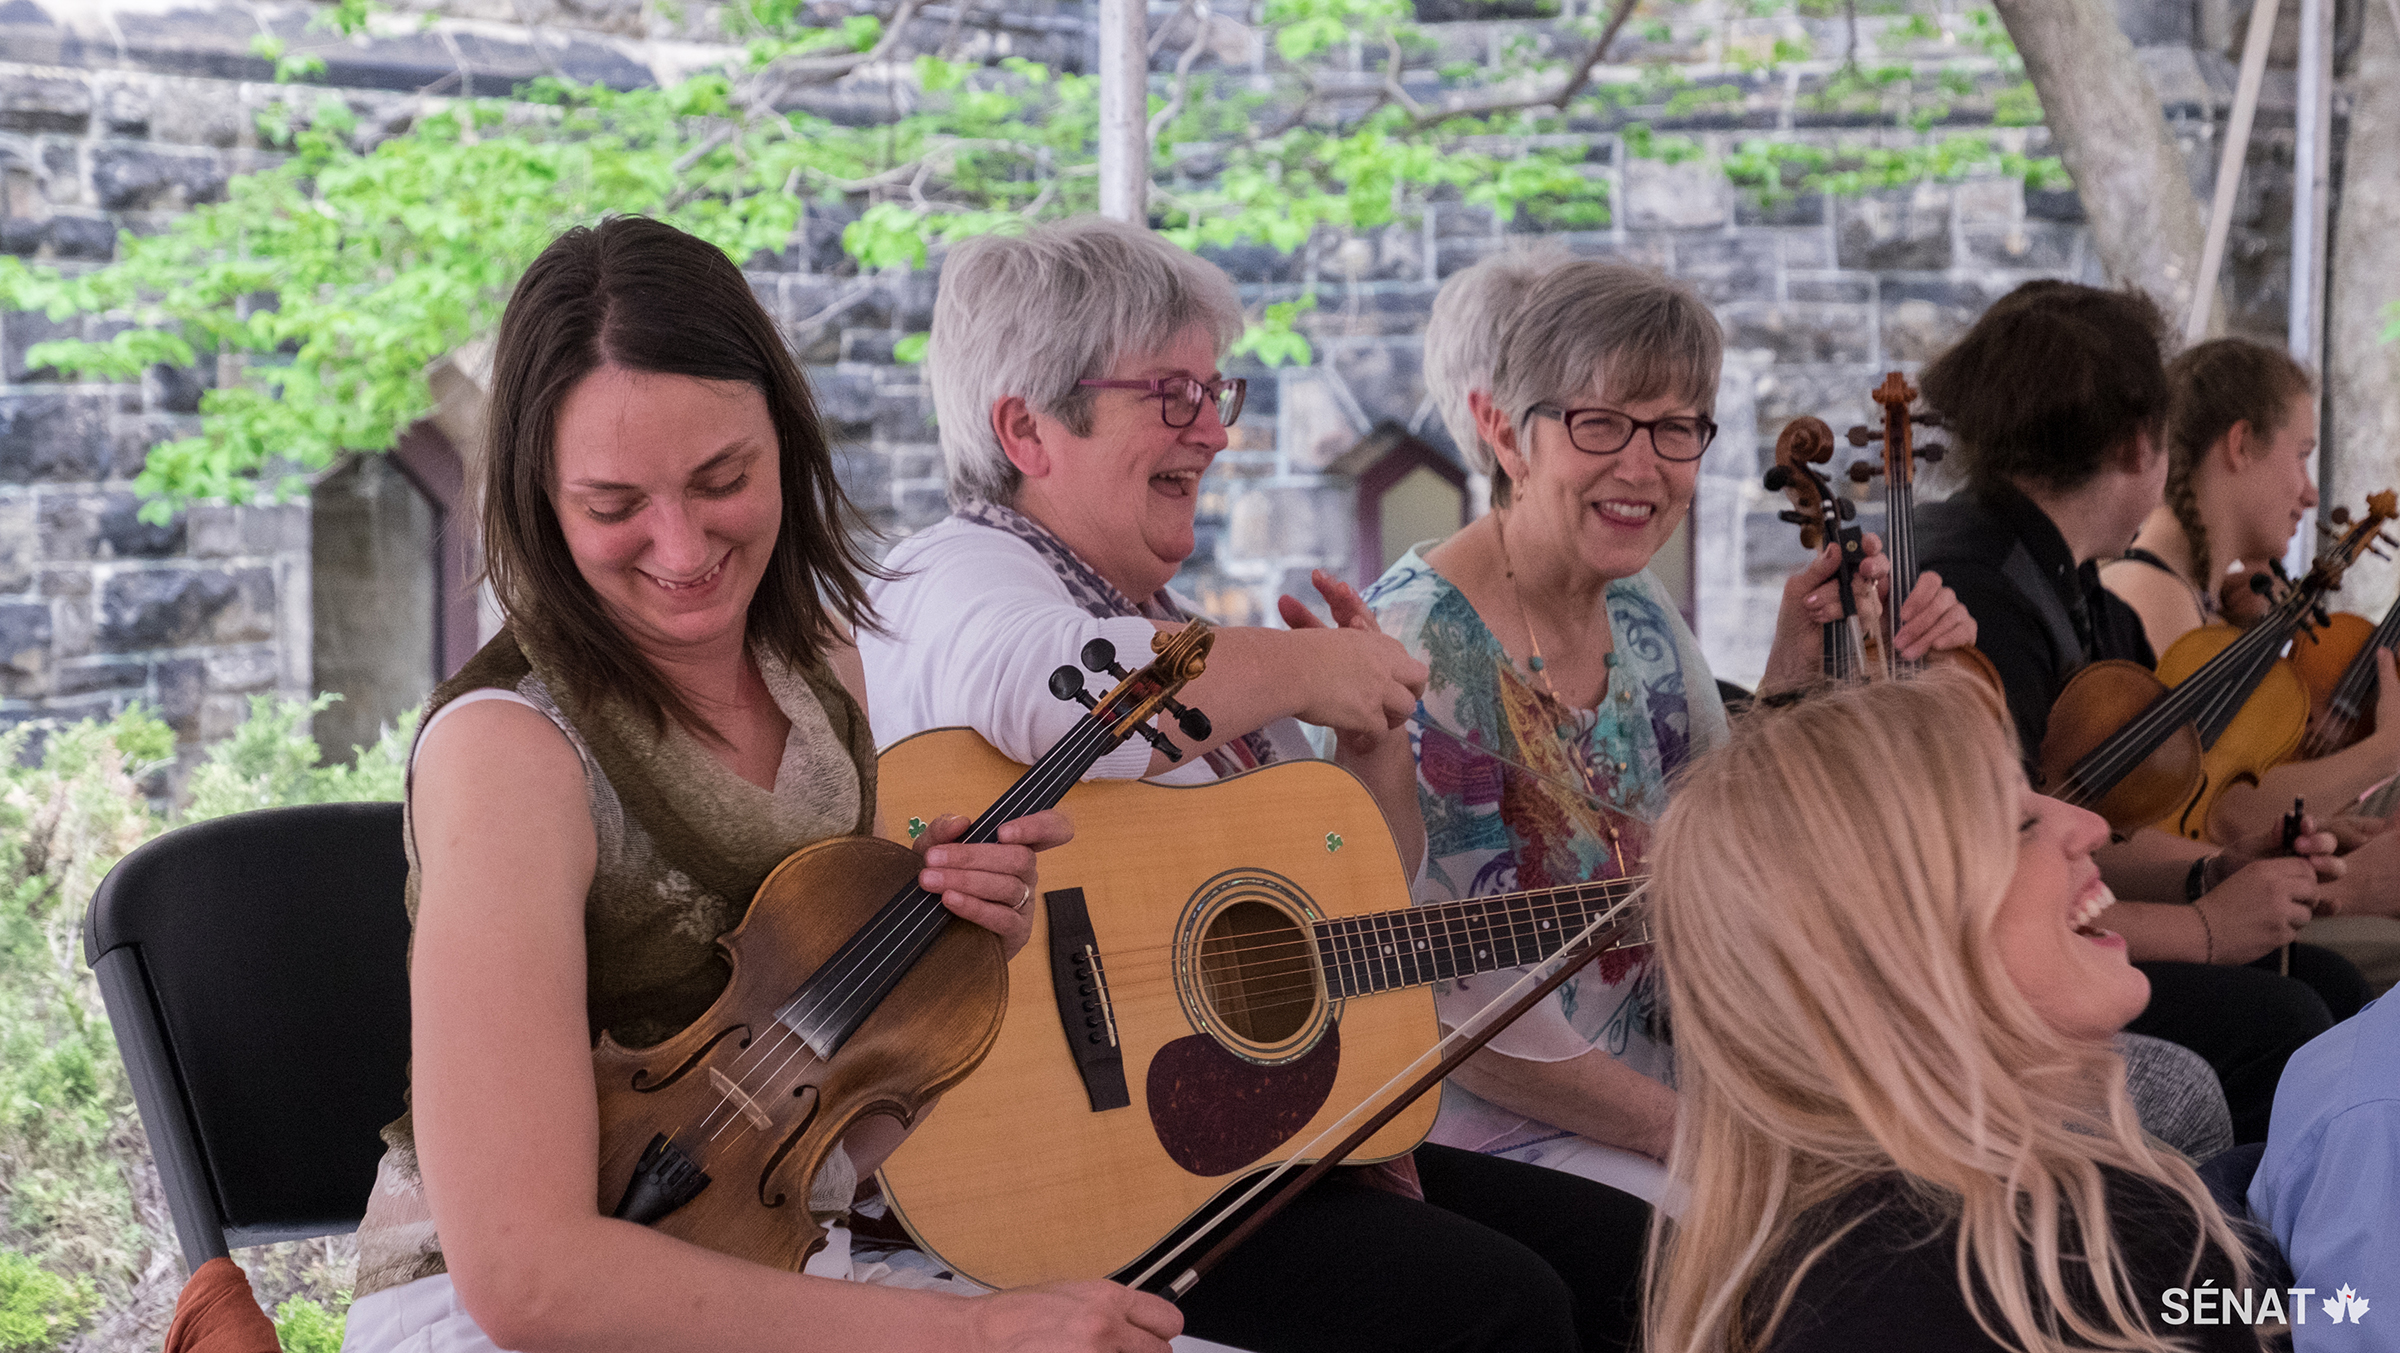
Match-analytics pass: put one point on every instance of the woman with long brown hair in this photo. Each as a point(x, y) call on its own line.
point(674, 707)
point(1904, 1125)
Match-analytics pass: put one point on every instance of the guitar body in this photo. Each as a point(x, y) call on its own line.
point(1232, 1056)
point(2262, 736)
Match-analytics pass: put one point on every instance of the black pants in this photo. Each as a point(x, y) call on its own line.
point(2247, 1022)
point(1500, 1257)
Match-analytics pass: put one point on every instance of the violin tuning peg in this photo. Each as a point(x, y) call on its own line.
point(1861, 471)
point(1932, 453)
point(1067, 684)
point(1779, 477)
point(1160, 741)
point(2340, 516)
point(2259, 583)
point(1860, 436)
point(1927, 419)
point(1796, 518)
point(1194, 724)
point(2319, 613)
point(1101, 656)
point(1845, 509)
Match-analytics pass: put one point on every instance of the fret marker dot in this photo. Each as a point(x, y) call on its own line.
point(1387, 948)
point(1420, 944)
point(1545, 925)
point(1483, 953)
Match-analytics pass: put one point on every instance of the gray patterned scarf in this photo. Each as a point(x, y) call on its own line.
point(1100, 597)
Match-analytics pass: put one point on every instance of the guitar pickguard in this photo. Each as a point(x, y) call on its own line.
point(1215, 1112)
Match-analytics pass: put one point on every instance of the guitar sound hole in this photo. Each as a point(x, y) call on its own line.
point(1255, 972)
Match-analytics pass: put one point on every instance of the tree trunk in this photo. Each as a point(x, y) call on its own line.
point(2362, 372)
point(2105, 119)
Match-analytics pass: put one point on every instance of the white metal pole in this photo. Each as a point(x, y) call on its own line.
point(2229, 163)
point(2311, 166)
point(1125, 110)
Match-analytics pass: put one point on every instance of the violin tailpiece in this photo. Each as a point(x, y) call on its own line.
point(663, 1179)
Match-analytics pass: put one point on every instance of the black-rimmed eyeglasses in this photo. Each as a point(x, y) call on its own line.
point(1180, 397)
point(1605, 432)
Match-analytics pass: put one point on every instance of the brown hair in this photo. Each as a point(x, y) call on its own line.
point(2210, 388)
point(639, 294)
point(2053, 378)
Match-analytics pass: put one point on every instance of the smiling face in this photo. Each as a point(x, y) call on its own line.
point(2274, 488)
point(1123, 494)
point(2074, 974)
point(1611, 513)
point(669, 493)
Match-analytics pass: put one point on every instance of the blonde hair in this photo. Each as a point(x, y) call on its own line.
point(1824, 903)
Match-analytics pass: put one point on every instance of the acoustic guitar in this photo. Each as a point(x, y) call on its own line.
point(1217, 973)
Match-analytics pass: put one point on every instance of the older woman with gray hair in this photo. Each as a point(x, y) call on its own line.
point(1075, 372)
point(1564, 687)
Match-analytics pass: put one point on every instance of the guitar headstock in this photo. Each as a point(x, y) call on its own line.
point(1182, 655)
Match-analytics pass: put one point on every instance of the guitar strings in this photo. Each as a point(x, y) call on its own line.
point(1316, 1143)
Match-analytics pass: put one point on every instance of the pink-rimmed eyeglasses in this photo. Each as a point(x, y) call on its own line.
point(1179, 397)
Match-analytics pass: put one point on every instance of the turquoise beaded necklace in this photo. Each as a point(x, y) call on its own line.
point(1549, 691)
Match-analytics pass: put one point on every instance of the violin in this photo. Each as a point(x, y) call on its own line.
point(2262, 733)
point(2132, 745)
point(854, 993)
point(2339, 672)
point(1823, 515)
point(1898, 468)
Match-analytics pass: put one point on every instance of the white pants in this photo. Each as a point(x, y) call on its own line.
point(426, 1316)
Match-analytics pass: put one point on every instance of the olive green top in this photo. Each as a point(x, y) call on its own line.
point(683, 844)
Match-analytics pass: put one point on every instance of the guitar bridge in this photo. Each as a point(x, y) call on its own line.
point(663, 1179)
point(1084, 1009)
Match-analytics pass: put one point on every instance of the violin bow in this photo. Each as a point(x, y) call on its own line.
point(1523, 995)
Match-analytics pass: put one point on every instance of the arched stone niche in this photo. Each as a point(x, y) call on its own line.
point(393, 606)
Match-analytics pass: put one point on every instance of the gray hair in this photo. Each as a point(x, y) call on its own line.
point(1030, 315)
point(1627, 333)
point(1462, 339)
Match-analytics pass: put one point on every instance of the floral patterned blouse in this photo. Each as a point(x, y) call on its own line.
point(1493, 827)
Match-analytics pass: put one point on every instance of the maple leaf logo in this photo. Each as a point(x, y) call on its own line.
point(2345, 1303)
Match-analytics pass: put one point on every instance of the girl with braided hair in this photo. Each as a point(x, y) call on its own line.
point(2241, 422)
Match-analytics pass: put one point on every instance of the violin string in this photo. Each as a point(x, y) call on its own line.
point(2343, 710)
point(895, 929)
point(896, 925)
point(2117, 756)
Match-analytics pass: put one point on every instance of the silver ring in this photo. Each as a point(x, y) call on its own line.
point(1021, 903)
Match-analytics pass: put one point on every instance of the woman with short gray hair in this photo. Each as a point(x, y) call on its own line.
point(1566, 689)
point(1075, 370)
point(1471, 314)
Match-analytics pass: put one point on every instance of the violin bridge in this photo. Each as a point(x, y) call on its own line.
point(740, 1100)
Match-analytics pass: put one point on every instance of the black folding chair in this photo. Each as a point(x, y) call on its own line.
point(255, 969)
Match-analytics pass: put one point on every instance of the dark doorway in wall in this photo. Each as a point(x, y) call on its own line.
point(1407, 493)
point(392, 559)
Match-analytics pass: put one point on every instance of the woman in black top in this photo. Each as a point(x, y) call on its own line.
point(1903, 1125)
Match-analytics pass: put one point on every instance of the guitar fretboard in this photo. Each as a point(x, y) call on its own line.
point(1414, 945)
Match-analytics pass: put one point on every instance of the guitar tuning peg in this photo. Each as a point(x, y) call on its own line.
point(1861, 471)
point(2340, 516)
point(1860, 436)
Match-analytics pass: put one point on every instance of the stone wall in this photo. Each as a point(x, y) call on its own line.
point(119, 118)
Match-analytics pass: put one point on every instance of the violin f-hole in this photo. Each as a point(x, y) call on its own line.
point(642, 1084)
point(807, 1095)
